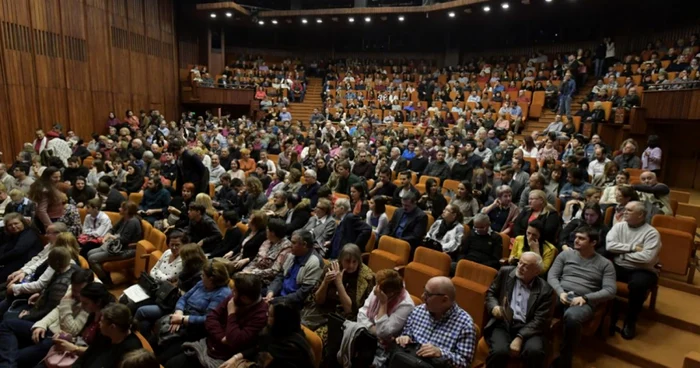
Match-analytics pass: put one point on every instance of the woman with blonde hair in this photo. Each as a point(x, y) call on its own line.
point(204, 200)
point(246, 163)
point(538, 208)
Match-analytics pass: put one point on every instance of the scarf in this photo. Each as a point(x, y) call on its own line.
point(390, 308)
point(444, 228)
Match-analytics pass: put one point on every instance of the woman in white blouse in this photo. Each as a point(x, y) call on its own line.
point(169, 266)
point(385, 311)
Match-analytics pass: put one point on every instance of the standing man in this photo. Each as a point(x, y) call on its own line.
point(566, 94)
point(190, 168)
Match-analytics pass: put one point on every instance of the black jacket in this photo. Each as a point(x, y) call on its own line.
point(483, 249)
point(18, 250)
point(551, 224)
point(232, 239)
point(114, 201)
point(205, 230)
point(396, 197)
point(461, 172)
point(538, 304)
point(250, 248)
point(352, 229)
point(300, 217)
point(190, 169)
point(401, 165)
point(414, 230)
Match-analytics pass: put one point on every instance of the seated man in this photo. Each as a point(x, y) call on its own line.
point(321, 225)
point(301, 272)
point(483, 245)
point(405, 187)
point(653, 191)
point(575, 185)
point(384, 186)
point(351, 229)
point(443, 329)
point(408, 223)
point(583, 279)
point(519, 303)
point(202, 229)
point(310, 187)
point(636, 246)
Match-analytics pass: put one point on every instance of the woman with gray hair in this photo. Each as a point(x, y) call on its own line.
point(502, 212)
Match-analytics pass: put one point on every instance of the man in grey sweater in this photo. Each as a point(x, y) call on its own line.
point(636, 246)
point(583, 279)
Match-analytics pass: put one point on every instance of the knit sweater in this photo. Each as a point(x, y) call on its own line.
point(623, 239)
point(593, 278)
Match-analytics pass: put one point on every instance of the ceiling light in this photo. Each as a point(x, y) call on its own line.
point(319, 20)
point(274, 21)
point(368, 19)
point(351, 19)
point(505, 6)
point(303, 20)
point(401, 18)
point(213, 15)
point(549, 1)
point(487, 8)
point(452, 14)
point(261, 22)
point(229, 14)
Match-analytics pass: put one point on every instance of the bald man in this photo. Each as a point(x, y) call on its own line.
point(636, 246)
point(653, 191)
point(443, 329)
point(518, 302)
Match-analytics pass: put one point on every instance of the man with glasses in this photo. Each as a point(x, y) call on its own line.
point(321, 224)
point(482, 245)
point(518, 302)
point(443, 330)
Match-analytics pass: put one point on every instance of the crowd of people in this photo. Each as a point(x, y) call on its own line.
point(286, 210)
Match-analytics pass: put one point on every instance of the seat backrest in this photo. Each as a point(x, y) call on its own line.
point(158, 239)
point(340, 195)
point(146, 228)
point(692, 360)
point(136, 197)
point(242, 227)
point(475, 272)
point(371, 243)
point(609, 213)
point(431, 220)
point(689, 210)
point(390, 211)
point(681, 197)
point(505, 253)
point(424, 178)
point(676, 250)
point(432, 258)
point(451, 185)
point(395, 246)
point(316, 345)
point(114, 217)
point(681, 223)
point(83, 213)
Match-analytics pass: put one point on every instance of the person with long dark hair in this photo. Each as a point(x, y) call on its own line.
point(45, 193)
point(593, 217)
point(432, 201)
point(534, 241)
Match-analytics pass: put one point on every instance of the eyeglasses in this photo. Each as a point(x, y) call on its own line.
point(427, 294)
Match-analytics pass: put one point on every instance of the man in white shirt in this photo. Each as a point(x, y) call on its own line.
point(271, 167)
point(216, 170)
point(597, 166)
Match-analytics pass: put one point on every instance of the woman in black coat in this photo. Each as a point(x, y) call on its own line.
point(432, 201)
point(19, 244)
point(538, 208)
point(299, 213)
point(593, 217)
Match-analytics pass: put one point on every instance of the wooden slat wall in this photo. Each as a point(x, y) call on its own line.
point(74, 61)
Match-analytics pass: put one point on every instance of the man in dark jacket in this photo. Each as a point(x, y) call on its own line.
point(405, 187)
point(409, 223)
point(519, 304)
point(351, 229)
point(462, 169)
point(202, 229)
point(397, 163)
point(384, 186)
point(345, 178)
point(363, 167)
point(438, 168)
point(310, 188)
point(190, 169)
point(482, 245)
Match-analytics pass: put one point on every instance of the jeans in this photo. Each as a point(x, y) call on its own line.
point(598, 65)
point(100, 255)
point(574, 318)
point(16, 346)
point(639, 282)
point(147, 316)
point(565, 105)
point(532, 352)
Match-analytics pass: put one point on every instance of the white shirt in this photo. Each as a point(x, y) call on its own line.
point(596, 167)
point(98, 227)
point(164, 270)
point(215, 174)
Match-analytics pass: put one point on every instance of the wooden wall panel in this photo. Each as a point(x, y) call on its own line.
point(74, 61)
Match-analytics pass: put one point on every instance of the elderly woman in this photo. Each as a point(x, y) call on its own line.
point(446, 233)
point(608, 177)
point(502, 212)
point(246, 163)
point(592, 217)
point(538, 209)
point(533, 241)
point(623, 195)
point(277, 206)
point(253, 197)
point(20, 244)
point(386, 310)
point(610, 192)
point(270, 258)
point(345, 285)
point(251, 241)
point(119, 243)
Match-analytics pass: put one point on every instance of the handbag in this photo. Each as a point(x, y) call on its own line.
point(167, 296)
point(164, 334)
point(113, 245)
point(148, 284)
point(405, 357)
point(58, 359)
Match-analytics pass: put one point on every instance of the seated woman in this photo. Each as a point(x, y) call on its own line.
point(281, 342)
point(95, 227)
point(271, 256)
point(345, 285)
point(246, 250)
point(502, 212)
point(446, 233)
point(574, 208)
point(134, 180)
point(376, 216)
point(19, 243)
point(534, 241)
point(591, 217)
point(608, 177)
point(26, 343)
point(80, 193)
point(538, 209)
point(21, 204)
point(48, 297)
point(155, 200)
point(465, 201)
point(232, 235)
point(358, 201)
point(299, 213)
point(232, 327)
point(246, 163)
point(43, 273)
point(192, 309)
point(609, 193)
point(204, 200)
point(115, 338)
point(119, 244)
point(623, 195)
point(277, 206)
point(385, 311)
point(432, 202)
point(177, 210)
point(252, 197)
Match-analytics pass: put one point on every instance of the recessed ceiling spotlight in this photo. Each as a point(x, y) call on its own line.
point(505, 6)
point(351, 19)
point(368, 19)
point(487, 8)
point(549, 1)
point(452, 14)
point(319, 20)
point(274, 21)
point(229, 14)
point(303, 20)
point(213, 15)
point(401, 18)
point(261, 22)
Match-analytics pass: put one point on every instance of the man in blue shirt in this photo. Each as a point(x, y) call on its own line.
point(301, 271)
point(285, 115)
point(566, 93)
point(443, 329)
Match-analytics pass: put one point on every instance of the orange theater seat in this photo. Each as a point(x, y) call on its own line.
point(472, 280)
point(392, 253)
point(427, 263)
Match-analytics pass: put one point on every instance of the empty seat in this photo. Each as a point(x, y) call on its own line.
point(136, 197)
point(427, 263)
point(681, 223)
point(472, 280)
point(316, 345)
point(681, 197)
point(677, 253)
point(392, 253)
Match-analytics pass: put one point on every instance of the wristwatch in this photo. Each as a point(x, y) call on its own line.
point(585, 298)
